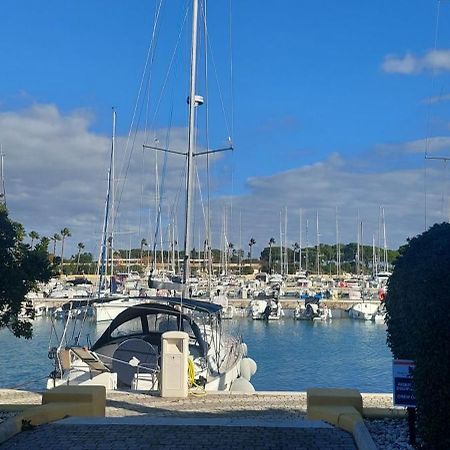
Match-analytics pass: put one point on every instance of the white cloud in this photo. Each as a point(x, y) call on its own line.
point(324, 186)
point(433, 144)
point(433, 60)
point(437, 99)
point(56, 174)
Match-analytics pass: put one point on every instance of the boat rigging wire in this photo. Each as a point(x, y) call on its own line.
point(231, 68)
point(17, 386)
point(428, 125)
point(168, 71)
point(149, 59)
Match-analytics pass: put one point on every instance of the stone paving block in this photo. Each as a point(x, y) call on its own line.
point(54, 436)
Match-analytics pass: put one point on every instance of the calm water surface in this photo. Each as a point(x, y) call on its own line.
point(291, 355)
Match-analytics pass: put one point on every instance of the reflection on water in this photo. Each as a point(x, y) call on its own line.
point(294, 355)
point(25, 360)
point(291, 355)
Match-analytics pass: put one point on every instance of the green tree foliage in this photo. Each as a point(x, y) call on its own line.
point(21, 267)
point(418, 318)
point(247, 270)
point(34, 236)
point(65, 233)
point(327, 258)
point(55, 238)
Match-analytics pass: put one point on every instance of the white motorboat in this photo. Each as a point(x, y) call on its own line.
point(228, 310)
point(266, 309)
point(109, 309)
point(313, 310)
point(363, 310)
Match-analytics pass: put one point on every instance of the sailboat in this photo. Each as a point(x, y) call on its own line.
point(127, 355)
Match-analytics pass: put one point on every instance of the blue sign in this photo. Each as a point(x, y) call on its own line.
point(403, 383)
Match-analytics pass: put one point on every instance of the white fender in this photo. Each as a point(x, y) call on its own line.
point(242, 385)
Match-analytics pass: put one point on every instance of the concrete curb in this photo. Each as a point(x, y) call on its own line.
point(9, 428)
point(362, 437)
point(343, 408)
point(57, 404)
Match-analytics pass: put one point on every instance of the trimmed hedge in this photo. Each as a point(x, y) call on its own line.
point(418, 320)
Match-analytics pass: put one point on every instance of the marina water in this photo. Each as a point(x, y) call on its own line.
point(291, 355)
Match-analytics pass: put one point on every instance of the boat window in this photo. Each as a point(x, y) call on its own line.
point(133, 326)
point(160, 323)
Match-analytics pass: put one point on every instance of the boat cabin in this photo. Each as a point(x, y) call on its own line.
point(147, 322)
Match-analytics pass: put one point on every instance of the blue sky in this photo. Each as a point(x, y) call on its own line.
point(330, 109)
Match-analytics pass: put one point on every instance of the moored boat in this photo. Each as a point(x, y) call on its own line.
point(312, 309)
point(128, 354)
point(363, 310)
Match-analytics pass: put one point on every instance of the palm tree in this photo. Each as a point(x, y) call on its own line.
point(34, 237)
point(80, 247)
point(56, 237)
point(143, 244)
point(250, 245)
point(44, 242)
point(271, 242)
point(65, 232)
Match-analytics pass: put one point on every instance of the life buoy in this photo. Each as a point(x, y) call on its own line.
point(381, 295)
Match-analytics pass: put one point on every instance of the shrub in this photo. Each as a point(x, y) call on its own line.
point(418, 320)
point(247, 270)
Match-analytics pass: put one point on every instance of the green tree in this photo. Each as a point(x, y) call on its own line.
point(80, 247)
point(34, 237)
point(21, 268)
point(250, 245)
point(55, 238)
point(418, 317)
point(65, 233)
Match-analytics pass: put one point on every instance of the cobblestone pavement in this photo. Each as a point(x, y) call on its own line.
point(281, 406)
point(261, 404)
point(289, 407)
point(134, 437)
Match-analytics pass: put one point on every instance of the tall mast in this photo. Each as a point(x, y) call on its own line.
point(338, 247)
point(113, 199)
point(362, 246)
point(286, 261)
point(103, 250)
point(379, 269)
point(318, 243)
point(385, 255)
point(300, 242)
point(191, 143)
point(357, 244)
point(240, 239)
point(281, 249)
point(374, 258)
point(306, 249)
point(2, 178)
